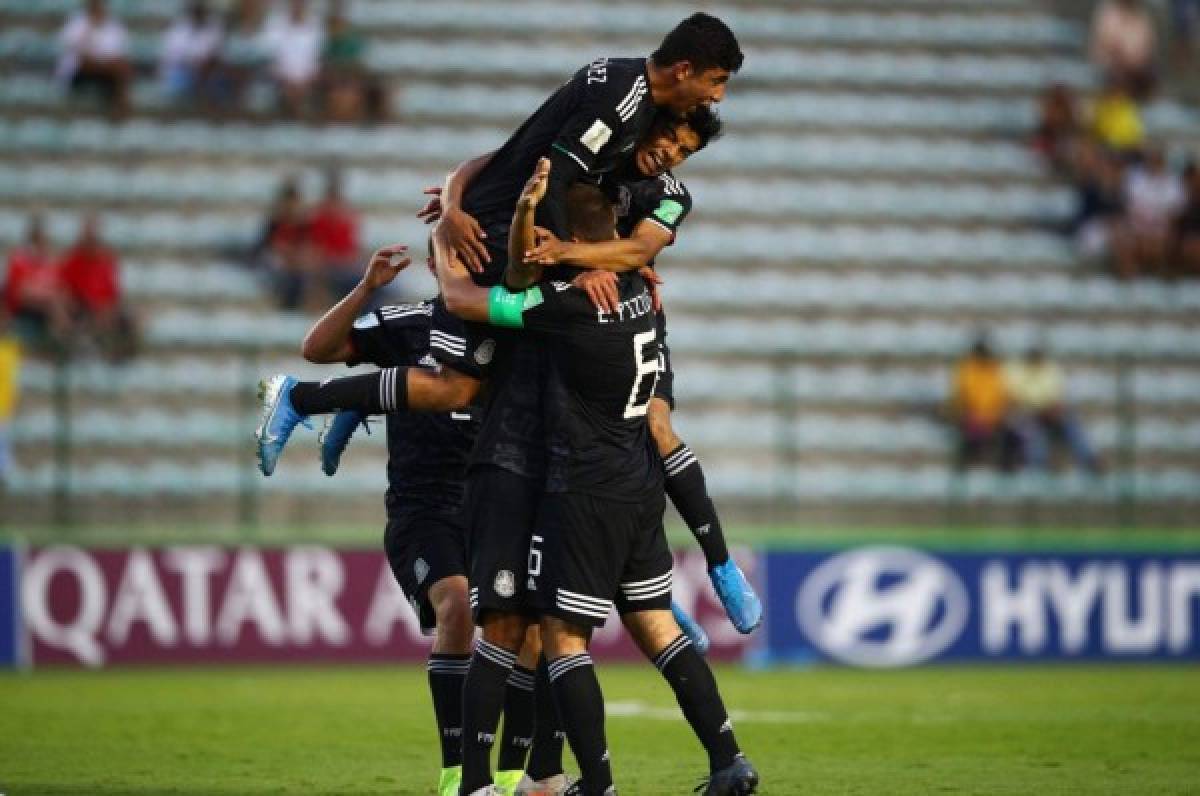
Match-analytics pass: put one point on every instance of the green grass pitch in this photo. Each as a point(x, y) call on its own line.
point(1045, 730)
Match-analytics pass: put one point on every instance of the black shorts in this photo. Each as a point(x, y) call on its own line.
point(588, 553)
point(422, 548)
point(499, 512)
point(664, 388)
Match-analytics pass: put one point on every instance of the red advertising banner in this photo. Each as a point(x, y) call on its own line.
point(193, 604)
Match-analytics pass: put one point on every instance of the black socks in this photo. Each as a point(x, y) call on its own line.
point(577, 692)
point(483, 699)
point(696, 691)
point(371, 393)
point(447, 674)
point(517, 736)
point(545, 758)
point(688, 491)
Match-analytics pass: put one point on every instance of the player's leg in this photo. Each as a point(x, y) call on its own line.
point(576, 556)
point(427, 556)
point(516, 737)
point(644, 602)
point(287, 402)
point(499, 512)
point(544, 771)
point(688, 490)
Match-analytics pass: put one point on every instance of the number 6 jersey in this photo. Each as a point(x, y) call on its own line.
point(603, 370)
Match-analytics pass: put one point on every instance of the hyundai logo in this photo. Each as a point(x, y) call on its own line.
point(882, 606)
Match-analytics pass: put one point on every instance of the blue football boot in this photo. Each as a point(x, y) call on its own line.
point(737, 595)
point(691, 628)
point(336, 435)
point(279, 419)
point(738, 779)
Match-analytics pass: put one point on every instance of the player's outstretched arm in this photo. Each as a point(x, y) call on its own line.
point(627, 254)
point(521, 273)
point(329, 338)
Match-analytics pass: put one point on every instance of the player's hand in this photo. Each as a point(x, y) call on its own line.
point(547, 248)
point(385, 264)
point(432, 211)
point(601, 288)
point(463, 234)
point(535, 187)
point(653, 280)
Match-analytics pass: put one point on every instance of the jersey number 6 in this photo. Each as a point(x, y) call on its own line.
point(645, 360)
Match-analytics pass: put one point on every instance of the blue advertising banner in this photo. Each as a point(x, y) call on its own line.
point(9, 609)
point(899, 606)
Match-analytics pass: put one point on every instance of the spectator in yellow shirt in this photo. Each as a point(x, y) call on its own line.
point(1040, 415)
point(10, 366)
point(979, 407)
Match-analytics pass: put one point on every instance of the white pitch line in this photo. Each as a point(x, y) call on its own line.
point(640, 710)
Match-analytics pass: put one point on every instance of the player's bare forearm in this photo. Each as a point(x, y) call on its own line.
point(463, 297)
point(521, 273)
point(329, 338)
point(617, 255)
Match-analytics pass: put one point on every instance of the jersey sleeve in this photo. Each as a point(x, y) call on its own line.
point(393, 335)
point(669, 205)
point(607, 103)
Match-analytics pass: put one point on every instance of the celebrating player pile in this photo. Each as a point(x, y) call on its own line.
point(554, 513)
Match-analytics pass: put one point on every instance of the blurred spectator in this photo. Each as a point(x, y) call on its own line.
point(294, 41)
point(1186, 235)
point(90, 272)
point(334, 233)
point(1100, 203)
point(1040, 416)
point(1058, 126)
point(285, 246)
point(1185, 19)
point(34, 296)
point(1123, 44)
point(95, 55)
point(189, 53)
point(1116, 121)
point(1153, 196)
point(10, 371)
point(979, 408)
point(350, 92)
point(244, 52)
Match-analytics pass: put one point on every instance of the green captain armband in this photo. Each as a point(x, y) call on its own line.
point(506, 309)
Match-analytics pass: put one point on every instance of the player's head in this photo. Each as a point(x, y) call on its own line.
point(699, 56)
point(672, 141)
point(590, 216)
point(430, 263)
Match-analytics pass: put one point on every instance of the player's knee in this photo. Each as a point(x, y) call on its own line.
point(652, 631)
point(454, 622)
point(658, 417)
point(561, 638)
point(504, 630)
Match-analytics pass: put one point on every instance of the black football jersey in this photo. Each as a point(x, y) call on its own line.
point(603, 368)
point(512, 432)
point(427, 452)
point(596, 118)
point(661, 200)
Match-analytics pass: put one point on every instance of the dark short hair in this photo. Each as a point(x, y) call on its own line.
point(590, 215)
point(703, 41)
point(705, 123)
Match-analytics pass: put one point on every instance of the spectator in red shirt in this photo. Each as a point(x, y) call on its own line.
point(334, 229)
point(89, 270)
point(285, 246)
point(33, 291)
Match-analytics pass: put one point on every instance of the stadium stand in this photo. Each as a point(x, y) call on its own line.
point(872, 205)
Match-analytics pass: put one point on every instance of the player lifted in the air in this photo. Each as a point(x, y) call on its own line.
point(598, 540)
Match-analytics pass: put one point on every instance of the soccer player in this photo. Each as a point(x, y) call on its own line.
point(424, 539)
point(598, 539)
point(651, 205)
